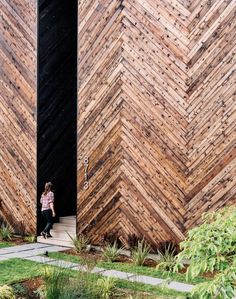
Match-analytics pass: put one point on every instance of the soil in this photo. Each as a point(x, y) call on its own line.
point(16, 241)
point(97, 256)
point(29, 287)
point(206, 275)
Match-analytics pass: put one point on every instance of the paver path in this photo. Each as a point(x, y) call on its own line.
point(33, 251)
point(28, 250)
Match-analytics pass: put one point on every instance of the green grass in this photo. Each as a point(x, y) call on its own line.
point(5, 244)
point(126, 267)
point(17, 270)
point(160, 291)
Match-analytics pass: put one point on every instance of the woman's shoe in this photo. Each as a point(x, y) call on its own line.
point(44, 235)
point(49, 235)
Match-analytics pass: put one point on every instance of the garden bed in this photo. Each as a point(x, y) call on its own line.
point(28, 289)
point(124, 263)
point(25, 277)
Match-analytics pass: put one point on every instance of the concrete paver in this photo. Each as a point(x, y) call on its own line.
point(147, 280)
point(97, 270)
point(179, 286)
point(63, 264)
point(117, 274)
point(40, 259)
point(19, 248)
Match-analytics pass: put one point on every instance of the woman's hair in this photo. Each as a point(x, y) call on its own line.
point(47, 188)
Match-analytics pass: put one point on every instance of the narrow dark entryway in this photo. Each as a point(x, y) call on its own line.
point(57, 102)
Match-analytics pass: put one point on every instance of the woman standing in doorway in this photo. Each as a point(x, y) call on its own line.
point(47, 201)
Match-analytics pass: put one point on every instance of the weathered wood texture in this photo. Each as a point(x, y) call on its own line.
point(57, 102)
point(18, 38)
point(156, 115)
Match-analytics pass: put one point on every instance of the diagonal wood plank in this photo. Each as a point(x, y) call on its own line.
point(18, 114)
point(157, 88)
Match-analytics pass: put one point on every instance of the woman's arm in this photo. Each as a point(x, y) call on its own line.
point(52, 208)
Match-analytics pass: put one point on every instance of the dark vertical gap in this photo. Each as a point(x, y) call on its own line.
point(57, 102)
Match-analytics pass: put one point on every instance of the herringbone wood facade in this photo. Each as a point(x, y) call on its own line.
point(156, 106)
point(18, 71)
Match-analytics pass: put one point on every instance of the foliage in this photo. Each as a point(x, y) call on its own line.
point(54, 279)
point(6, 292)
point(79, 242)
point(140, 253)
point(59, 284)
point(6, 232)
point(19, 290)
point(41, 292)
point(5, 244)
point(222, 287)
point(106, 287)
point(111, 252)
point(167, 258)
point(15, 270)
point(211, 247)
point(131, 268)
point(30, 238)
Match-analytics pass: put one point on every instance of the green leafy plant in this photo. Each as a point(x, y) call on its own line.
point(60, 284)
point(167, 258)
point(107, 287)
point(20, 290)
point(111, 252)
point(89, 263)
point(30, 238)
point(54, 279)
point(6, 232)
point(6, 292)
point(211, 247)
point(79, 242)
point(140, 253)
point(41, 292)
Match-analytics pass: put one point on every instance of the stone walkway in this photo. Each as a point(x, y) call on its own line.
point(27, 250)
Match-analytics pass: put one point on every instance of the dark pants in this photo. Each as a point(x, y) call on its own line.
point(47, 215)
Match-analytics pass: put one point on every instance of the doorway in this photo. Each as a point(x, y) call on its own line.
point(57, 103)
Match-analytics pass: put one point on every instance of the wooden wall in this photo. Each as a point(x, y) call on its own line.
point(57, 102)
point(156, 105)
point(18, 114)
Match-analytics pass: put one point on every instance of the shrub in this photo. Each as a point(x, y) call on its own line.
point(107, 288)
point(54, 279)
point(41, 292)
point(111, 238)
point(19, 290)
point(111, 252)
point(211, 247)
point(30, 238)
point(140, 253)
point(167, 258)
point(6, 292)
point(79, 242)
point(58, 284)
point(6, 232)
